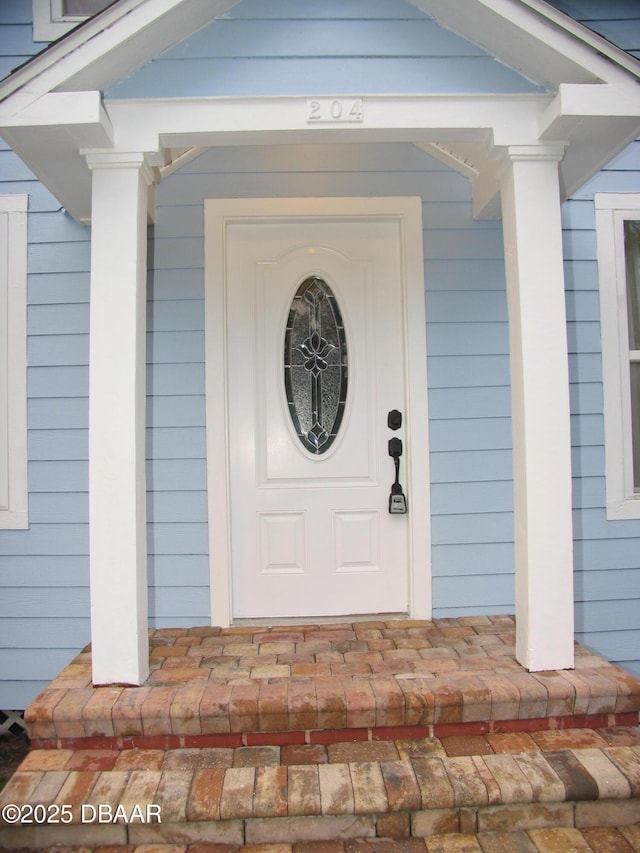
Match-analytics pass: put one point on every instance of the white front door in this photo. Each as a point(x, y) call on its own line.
point(314, 304)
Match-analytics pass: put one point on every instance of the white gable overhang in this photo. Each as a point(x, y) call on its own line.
point(52, 112)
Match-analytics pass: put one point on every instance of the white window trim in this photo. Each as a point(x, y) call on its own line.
point(49, 22)
point(612, 209)
point(13, 362)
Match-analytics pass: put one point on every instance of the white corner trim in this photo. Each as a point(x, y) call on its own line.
point(13, 363)
point(611, 210)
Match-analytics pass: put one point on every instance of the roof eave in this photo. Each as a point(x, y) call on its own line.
point(108, 47)
point(532, 37)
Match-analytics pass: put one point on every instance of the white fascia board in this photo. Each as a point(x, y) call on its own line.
point(48, 136)
point(596, 141)
point(580, 101)
point(531, 37)
point(46, 70)
point(52, 154)
point(603, 48)
point(157, 26)
point(82, 113)
point(53, 134)
point(597, 121)
point(147, 125)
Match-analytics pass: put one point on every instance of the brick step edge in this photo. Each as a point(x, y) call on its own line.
point(175, 740)
point(603, 781)
point(405, 827)
point(63, 711)
point(623, 838)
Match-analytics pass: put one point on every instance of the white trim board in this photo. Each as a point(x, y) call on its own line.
point(54, 135)
point(13, 363)
point(218, 213)
point(611, 211)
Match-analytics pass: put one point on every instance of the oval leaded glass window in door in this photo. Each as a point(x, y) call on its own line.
point(315, 365)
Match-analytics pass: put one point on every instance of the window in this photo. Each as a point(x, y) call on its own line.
point(618, 233)
point(54, 18)
point(632, 268)
point(83, 8)
point(13, 362)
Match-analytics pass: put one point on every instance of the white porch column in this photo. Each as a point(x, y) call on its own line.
point(117, 490)
point(540, 406)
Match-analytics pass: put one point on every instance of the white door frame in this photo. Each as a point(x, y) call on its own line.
point(408, 213)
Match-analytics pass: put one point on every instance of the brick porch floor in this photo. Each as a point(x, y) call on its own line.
point(322, 683)
point(381, 736)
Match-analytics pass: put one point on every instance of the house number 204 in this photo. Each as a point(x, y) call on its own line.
point(320, 110)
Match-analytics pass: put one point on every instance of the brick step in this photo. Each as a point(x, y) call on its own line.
point(408, 789)
point(213, 687)
point(623, 839)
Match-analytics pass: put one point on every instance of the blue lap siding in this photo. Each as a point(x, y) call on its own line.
point(384, 46)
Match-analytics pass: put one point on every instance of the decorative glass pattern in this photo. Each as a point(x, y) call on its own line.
point(315, 365)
